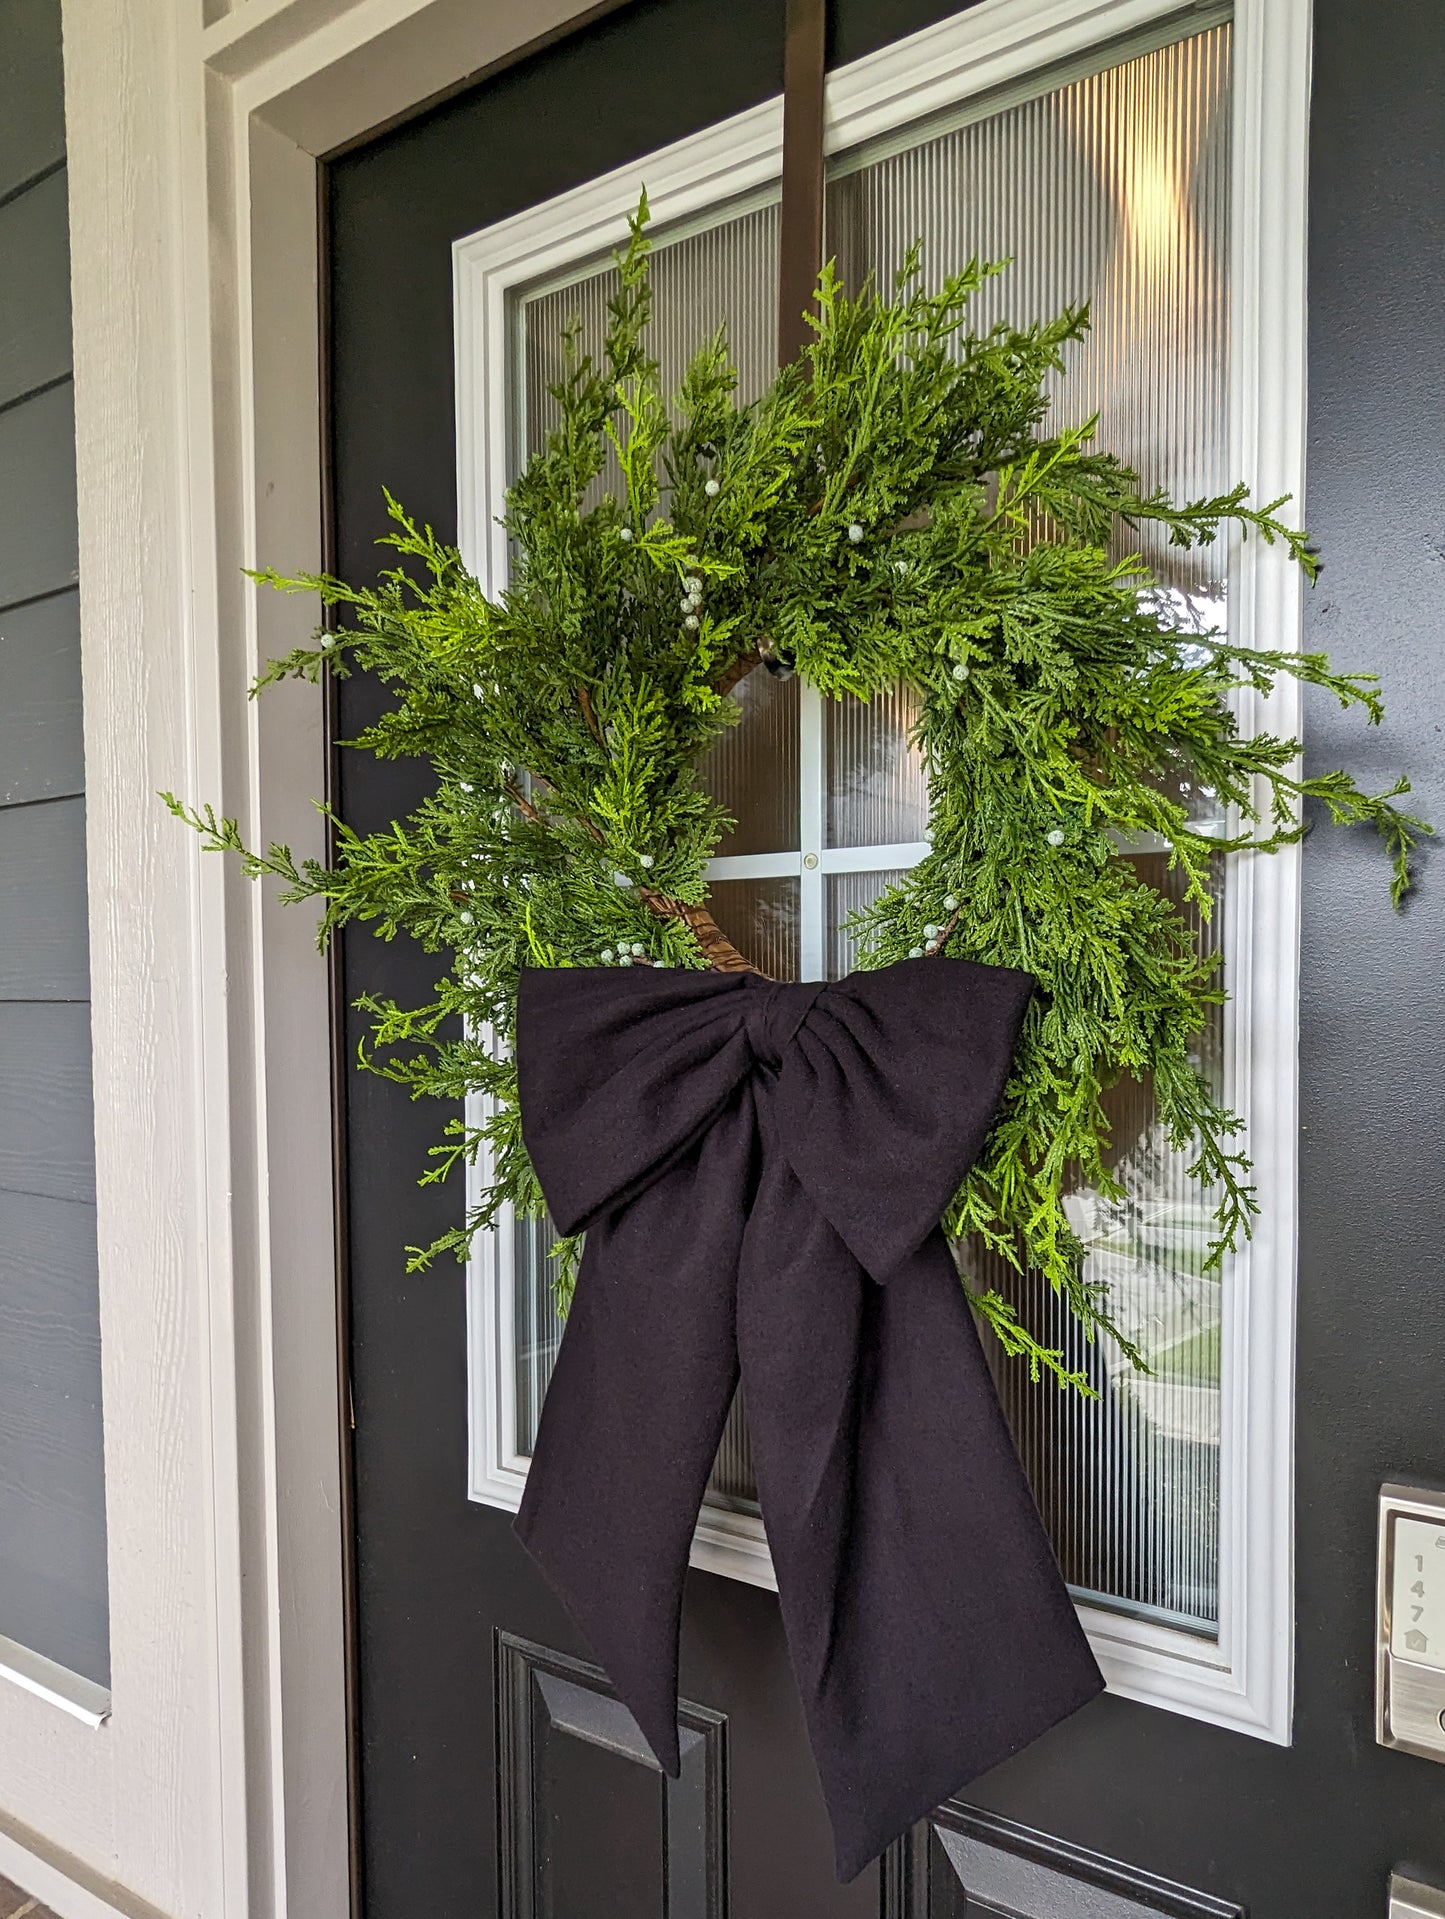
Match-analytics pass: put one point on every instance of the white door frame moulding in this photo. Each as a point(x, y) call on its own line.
point(215, 1787)
point(1244, 1679)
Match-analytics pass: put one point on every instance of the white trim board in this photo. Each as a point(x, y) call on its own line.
point(1244, 1679)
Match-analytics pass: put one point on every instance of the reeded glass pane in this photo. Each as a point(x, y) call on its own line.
point(760, 917)
point(849, 893)
point(733, 1483)
point(1129, 1482)
point(537, 1328)
point(753, 767)
point(1113, 191)
point(722, 277)
point(877, 794)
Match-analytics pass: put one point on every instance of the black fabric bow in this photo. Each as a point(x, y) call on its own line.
point(760, 1170)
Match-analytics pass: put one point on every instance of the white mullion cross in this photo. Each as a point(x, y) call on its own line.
point(811, 861)
point(812, 828)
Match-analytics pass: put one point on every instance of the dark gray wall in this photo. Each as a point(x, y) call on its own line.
point(52, 1487)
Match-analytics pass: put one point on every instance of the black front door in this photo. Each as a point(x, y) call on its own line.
point(498, 1775)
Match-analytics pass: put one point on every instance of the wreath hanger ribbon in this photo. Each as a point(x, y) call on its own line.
point(760, 1170)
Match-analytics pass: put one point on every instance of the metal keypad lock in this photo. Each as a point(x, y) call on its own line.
point(1410, 1621)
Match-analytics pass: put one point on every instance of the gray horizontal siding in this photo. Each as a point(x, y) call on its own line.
point(38, 539)
point(32, 98)
point(43, 939)
point(47, 1129)
point(34, 289)
point(53, 1586)
point(41, 748)
point(52, 1550)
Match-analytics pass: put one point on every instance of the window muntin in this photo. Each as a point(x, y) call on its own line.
point(1114, 188)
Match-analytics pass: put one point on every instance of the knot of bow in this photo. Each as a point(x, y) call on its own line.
point(760, 1171)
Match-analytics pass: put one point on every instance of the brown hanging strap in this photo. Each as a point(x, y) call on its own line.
point(800, 249)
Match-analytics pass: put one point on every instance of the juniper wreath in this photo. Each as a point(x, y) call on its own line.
point(898, 506)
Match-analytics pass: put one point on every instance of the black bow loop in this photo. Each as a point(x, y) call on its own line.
point(752, 1162)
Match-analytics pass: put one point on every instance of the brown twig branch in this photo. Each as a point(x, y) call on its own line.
point(721, 955)
point(523, 805)
point(944, 932)
point(584, 700)
point(737, 672)
point(718, 950)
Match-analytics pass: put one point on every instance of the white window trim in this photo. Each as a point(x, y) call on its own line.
point(1242, 1680)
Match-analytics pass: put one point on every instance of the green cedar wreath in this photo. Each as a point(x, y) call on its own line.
point(897, 507)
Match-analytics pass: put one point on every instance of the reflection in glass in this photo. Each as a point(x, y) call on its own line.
point(877, 793)
point(1113, 191)
point(760, 917)
point(753, 767)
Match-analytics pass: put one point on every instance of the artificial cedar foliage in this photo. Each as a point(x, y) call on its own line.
point(896, 507)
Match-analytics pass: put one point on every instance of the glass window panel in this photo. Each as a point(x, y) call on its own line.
point(877, 793)
point(723, 277)
point(1114, 190)
point(734, 1484)
point(760, 917)
point(1129, 1482)
point(849, 893)
point(536, 1324)
point(753, 767)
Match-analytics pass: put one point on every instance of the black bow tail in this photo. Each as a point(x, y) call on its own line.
point(760, 1171)
point(633, 1417)
point(930, 1632)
